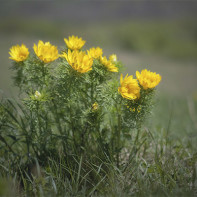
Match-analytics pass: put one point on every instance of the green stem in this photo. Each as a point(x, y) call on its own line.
point(118, 139)
point(118, 132)
point(44, 73)
point(137, 136)
point(134, 149)
point(70, 112)
point(40, 136)
point(57, 117)
point(92, 92)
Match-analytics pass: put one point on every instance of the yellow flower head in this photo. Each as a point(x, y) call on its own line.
point(107, 63)
point(95, 106)
point(19, 53)
point(46, 52)
point(95, 52)
point(139, 109)
point(129, 88)
point(74, 43)
point(78, 60)
point(113, 58)
point(148, 79)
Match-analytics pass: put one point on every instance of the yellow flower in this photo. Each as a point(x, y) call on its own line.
point(107, 63)
point(95, 52)
point(46, 52)
point(148, 79)
point(129, 88)
point(139, 109)
point(19, 53)
point(113, 58)
point(132, 109)
point(78, 60)
point(95, 106)
point(74, 42)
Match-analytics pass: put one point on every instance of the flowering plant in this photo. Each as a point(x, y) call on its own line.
point(73, 103)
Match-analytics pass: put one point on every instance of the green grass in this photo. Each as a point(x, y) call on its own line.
point(162, 163)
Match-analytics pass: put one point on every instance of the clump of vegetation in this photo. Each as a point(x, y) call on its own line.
point(73, 102)
point(77, 130)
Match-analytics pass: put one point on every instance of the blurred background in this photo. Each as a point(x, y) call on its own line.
point(158, 35)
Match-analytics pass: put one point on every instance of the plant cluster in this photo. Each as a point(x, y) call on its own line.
point(72, 104)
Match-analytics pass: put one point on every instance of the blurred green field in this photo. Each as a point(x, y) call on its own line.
point(174, 39)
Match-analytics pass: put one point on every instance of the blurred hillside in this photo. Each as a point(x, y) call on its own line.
point(93, 11)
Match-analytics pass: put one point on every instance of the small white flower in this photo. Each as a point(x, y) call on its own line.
point(37, 95)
